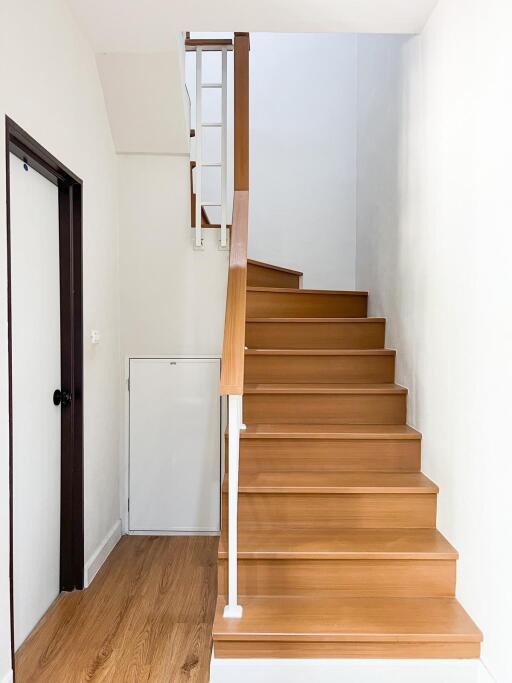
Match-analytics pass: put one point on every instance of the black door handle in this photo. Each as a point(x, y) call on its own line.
point(62, 398)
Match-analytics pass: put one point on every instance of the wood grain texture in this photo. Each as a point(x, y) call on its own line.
point(241, 115)
point(353, 619)
point(233, 351)
point(331, 455)
point(278, 649)
point(332, 366)
point(347, 544)
point(209, 44)
point(289, 333)
point(330, 431)
point(265, 275)
point(335, 482)
point(376, 621)
point(263, 302)
point(332, 448)
point(325, 404)
point(146, 617)
point(271, 266)
point(339, 578)
point(232, 374)
point(334, 511)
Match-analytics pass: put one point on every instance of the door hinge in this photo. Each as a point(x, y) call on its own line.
point(128, 383)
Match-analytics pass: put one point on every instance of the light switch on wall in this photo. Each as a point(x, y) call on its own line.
point(95, 337)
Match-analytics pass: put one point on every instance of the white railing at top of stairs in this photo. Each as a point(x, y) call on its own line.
point(200, 164)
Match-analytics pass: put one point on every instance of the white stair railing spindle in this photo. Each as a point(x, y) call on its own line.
point(199, 135)
point(223, 201)
point(233, 609)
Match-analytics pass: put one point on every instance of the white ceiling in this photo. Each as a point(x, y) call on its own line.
point(148, 25)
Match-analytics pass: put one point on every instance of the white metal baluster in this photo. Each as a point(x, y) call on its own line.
point(233, 610)
point(224, 156)
point(242, 425)
point(199, 135)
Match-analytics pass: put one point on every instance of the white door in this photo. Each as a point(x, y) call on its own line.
point(35, 302)
point(174, 445)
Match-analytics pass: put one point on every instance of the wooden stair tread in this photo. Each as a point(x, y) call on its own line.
point(334, 482)
point(381, 619)
point(329, 431)
point(294, 290)
point(320, 352)
point(340, 544)
point(316, 320)
point(261, 264)
point(322, 388)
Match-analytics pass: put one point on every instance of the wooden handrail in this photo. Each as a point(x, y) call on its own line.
point(233, 354)
point(214, 44)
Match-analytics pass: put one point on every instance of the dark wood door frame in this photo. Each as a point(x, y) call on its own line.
point(20, 143)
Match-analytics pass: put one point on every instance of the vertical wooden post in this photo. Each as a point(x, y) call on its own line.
point(241, 95)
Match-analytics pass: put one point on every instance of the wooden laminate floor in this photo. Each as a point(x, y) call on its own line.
point(146, 617)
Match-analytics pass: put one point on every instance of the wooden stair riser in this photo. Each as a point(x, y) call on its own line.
point(335, 455)
point(262, 276)
point(334, 511)
point(342, 578)
point(355, 408)
point(265, 304)
point(315, 335)
point(289, 649)
point(322, 368)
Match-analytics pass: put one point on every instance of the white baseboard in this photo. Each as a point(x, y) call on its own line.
point(8, 678)
point(347, 671)
point(94, 564)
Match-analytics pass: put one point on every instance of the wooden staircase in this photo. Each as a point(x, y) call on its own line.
point(338, 554)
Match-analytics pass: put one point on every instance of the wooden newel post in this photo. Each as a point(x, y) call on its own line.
point(241, 95)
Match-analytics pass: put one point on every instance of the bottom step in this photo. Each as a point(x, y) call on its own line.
point(401, 628)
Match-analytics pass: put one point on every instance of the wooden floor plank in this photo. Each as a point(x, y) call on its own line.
point(146, 617)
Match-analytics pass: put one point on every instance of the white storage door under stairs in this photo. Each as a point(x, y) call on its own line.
point(175, 445)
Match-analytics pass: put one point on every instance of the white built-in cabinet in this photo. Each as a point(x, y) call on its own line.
point(174, 445)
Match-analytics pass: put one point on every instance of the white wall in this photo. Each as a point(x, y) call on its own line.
point(145, 99)
point(303, 155)
point(172, 297)
point(433, 249)
point(50, 86)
